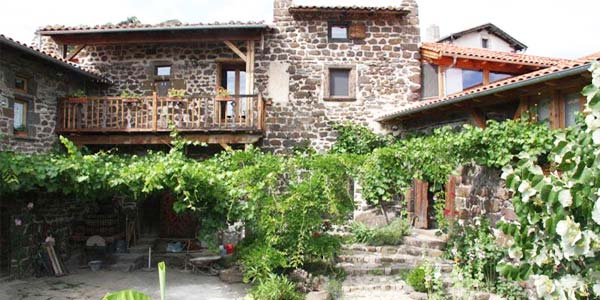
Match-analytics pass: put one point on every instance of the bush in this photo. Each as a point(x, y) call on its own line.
point(391, 234)
point(388, 235)
point(416, 279)
point(275, 287)
point(334, 288)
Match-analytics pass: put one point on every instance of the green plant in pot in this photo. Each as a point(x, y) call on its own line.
point(20, 130)
point(78, 96)
point(222, 93)
point(175, 93)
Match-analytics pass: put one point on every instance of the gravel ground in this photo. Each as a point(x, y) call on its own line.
point(86, 284)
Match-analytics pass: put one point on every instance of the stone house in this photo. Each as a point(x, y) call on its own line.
point(287, 82)
point(31, 81)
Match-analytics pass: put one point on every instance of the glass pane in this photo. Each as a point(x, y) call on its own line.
point(163, 71)
point(338, 82)
point(430, 80)
point(20, 83)
point(498, 76)
point(231, 82)
point(19, 112)
point(544, 111)
point(453, 79)
point(339, 32)
point(572, 107)
point(471, 78)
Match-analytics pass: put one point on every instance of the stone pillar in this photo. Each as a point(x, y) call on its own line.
point(281, 10)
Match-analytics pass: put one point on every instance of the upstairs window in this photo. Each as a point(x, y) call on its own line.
point(471, 78)
point(339, 83)
point(485, 43)
point(163, 71)
point(21, 84)
point(339, 32)
point(430, 80)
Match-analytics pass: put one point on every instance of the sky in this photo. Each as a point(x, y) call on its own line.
point(548, 27)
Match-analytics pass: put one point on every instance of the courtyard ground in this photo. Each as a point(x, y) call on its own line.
point(86, 284)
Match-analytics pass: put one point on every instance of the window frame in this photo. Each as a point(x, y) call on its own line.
point(332, 24)
point(25, 89)
point(351, 83)
point(156, 67)
point(485, 43)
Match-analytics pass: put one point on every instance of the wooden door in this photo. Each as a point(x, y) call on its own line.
point(421, 202)
point(450, 211)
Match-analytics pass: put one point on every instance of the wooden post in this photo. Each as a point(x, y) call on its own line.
point(260, 107)
point(154, 112)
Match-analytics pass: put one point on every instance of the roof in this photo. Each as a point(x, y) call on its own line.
point(51, 58)
point(554, 72)
point(133, 27)
point(438, 50)
point(492, 29)
point(353, 8)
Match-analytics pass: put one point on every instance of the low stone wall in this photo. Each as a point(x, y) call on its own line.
point(481, 191)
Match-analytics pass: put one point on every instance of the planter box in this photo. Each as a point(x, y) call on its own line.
point(78, 100)
point(223, 98)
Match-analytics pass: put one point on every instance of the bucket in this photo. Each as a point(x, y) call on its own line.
point(95, 265)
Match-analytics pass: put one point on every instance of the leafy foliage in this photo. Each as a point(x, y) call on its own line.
point(416, 279)
point(358, 139)
point(388, 235)
point(556, 236)
point(275, 287)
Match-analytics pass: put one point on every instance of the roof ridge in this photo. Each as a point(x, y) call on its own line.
point(52, 56)
point(163, 24)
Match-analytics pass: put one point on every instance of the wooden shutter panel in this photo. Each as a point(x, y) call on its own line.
point(421, 204)
point(450, 198)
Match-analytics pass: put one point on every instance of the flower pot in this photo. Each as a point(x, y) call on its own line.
point(223, 98)
point(78, 100)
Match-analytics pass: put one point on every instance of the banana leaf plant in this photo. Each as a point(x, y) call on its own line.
point(135, 295)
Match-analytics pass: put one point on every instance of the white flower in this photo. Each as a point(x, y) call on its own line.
point(30, 205)
point(570, 233)
point(515, 253)
point(567, 286)
point(593, 120)
point(526, 191)
point(596, 289)
point(506, 170)
point(596, 212)
point(543, 285)
point(565, 198)
point(596, 136)
point(541, 258)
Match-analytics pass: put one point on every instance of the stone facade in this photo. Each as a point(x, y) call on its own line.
point(291, 67)
point(45, 84)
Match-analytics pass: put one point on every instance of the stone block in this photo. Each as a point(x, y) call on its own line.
point(320, 295)
point(231, 275)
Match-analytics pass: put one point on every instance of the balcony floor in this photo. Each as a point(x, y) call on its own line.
point(164, 138)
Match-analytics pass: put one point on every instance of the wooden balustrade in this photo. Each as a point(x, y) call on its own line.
point(161, 114)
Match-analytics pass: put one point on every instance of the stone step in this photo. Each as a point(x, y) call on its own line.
point(378, 258)
point(384, 295)
point(385, 268)
point(416, 241)
point(373, 283)
point(401, 249)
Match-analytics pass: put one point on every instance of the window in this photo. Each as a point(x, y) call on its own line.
point(163, 71)
point(485, 43)
point(498, 76)
point(471, 78)
point(430, 80)
point(339, 80)
point(20, 115)
point(338, 32)
point(233, 78)
point(543, 111)
point(21, 84)
point(339, 83)
point(572, 107)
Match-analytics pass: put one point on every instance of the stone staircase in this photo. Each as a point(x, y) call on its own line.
point(136, 258)
point(376, 272)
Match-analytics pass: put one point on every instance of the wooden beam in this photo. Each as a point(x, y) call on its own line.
point(522, 108)
point(75, 51)
point(226, 147)
point(236, 50)
point(163, 139)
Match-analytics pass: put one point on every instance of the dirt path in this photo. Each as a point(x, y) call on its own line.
point(94, 285)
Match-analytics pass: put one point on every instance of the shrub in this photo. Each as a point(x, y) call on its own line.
point(334, 288)
point(275, 287)
point(391, 234)
point(361, 232)
point(416, 279)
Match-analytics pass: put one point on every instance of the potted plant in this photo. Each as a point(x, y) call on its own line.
point(175, 93)
point(222, 94)
point(130, 97)
point(78, 96)
point(20, 131)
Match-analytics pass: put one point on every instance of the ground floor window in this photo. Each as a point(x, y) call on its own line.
point(20, 116)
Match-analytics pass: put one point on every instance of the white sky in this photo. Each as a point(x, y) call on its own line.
point(549, 27)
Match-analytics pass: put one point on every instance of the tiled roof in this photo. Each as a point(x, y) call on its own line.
point(52, 58)
point(150, 27)
point(492, 29)
point(390, 9)
point(512, 82)
point(444, 49)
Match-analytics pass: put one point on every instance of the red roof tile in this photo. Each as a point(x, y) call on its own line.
point(443, 49)
point(138, 26)
point(392, 9)
point(52, 58)
point(477, 91)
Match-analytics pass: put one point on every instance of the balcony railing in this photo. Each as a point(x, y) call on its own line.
point(160, 114)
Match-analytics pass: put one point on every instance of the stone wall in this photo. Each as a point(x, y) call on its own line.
point(45, 85)
point(386, 63)
point(481, 191)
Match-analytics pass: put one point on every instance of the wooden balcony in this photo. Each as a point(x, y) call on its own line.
point(148, 120)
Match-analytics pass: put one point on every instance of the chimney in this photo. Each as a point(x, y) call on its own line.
point(432, 34)
point(281, 10)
